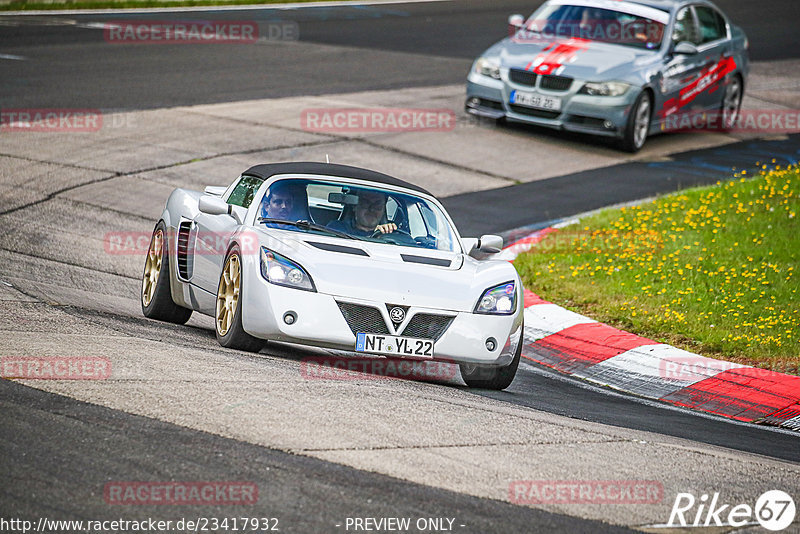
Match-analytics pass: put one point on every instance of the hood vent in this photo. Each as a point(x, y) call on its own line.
point(331, 247)
point(438, 262)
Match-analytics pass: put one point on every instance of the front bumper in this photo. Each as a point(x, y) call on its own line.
point(596, 115)
point(320, 322)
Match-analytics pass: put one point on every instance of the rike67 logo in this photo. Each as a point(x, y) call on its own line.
point(774, 510)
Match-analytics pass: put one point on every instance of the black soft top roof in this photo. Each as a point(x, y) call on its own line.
point(267, 170)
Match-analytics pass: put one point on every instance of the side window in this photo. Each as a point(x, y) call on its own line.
point(685, 28)
point(712, 25)
point(416, 223)
point(242, 194)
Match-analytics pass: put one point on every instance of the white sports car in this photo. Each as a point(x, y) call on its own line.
point(339, 257)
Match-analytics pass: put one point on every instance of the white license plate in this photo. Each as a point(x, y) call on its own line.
point(533, 100)
point(394, 345)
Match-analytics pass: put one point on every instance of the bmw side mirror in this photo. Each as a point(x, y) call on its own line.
point(515, 22)
point(685, 48)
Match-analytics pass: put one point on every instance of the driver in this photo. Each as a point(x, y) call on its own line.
point(367, 216)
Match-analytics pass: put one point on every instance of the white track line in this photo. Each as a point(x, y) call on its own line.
point(262, 7)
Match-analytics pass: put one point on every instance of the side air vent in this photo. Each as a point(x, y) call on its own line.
point(330, 247)
point(185, 261)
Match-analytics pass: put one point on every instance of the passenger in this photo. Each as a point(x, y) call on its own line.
point(365, 218)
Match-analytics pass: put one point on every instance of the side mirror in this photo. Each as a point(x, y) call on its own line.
point(487, 244)
point(490, 244)
point(215, 190)
point(213, 205)
point(515, 22)
point(685, 48)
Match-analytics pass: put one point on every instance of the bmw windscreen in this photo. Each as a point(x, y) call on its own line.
point(635, 26)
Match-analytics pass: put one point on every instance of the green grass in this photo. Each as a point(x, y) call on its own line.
point(711, 270)
point(24, 5)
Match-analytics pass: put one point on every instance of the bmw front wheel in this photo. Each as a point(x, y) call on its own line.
point(638, 125)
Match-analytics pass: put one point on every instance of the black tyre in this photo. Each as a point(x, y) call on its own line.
point(488, 377)
point(731, 103)
point(638, 125)
point(156, 298)
point(228, 311)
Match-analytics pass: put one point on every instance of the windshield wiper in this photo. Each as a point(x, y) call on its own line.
point(307, 225)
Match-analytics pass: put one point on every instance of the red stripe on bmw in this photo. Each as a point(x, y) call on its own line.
point(709, 78)
point(556, 55)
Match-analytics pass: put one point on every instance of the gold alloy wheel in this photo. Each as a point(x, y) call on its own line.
point(228, 294)
point(152, 267)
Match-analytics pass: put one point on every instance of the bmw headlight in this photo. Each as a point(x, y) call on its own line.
point(604, 89)
point(498, 300)
point(488, 67)
point(282, 271)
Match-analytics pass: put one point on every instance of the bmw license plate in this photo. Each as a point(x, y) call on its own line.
point(534, 100)
point(394, 345)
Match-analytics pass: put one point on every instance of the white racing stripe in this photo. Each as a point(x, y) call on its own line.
point(542, 320)
point(654, 370)
point(12, 57)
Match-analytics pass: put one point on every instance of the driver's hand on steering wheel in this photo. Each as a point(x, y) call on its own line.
point(387, 228)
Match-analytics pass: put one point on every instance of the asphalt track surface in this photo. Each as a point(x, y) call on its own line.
point(304, 494)
point(70, 66)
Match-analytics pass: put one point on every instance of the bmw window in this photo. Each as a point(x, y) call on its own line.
point(712, 25)
point(686, 29)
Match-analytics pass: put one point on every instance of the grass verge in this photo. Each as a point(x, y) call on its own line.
point(711, 270)
point(24, 5)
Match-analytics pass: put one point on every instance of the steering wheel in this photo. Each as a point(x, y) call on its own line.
point(388, 237)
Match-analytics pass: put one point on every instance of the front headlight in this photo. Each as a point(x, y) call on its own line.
point(488, 67)
point(604, 89)
point(282, 271)
point(498, 300)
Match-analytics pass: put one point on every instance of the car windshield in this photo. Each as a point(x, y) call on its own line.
point(557, 20)
point(356, 212)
